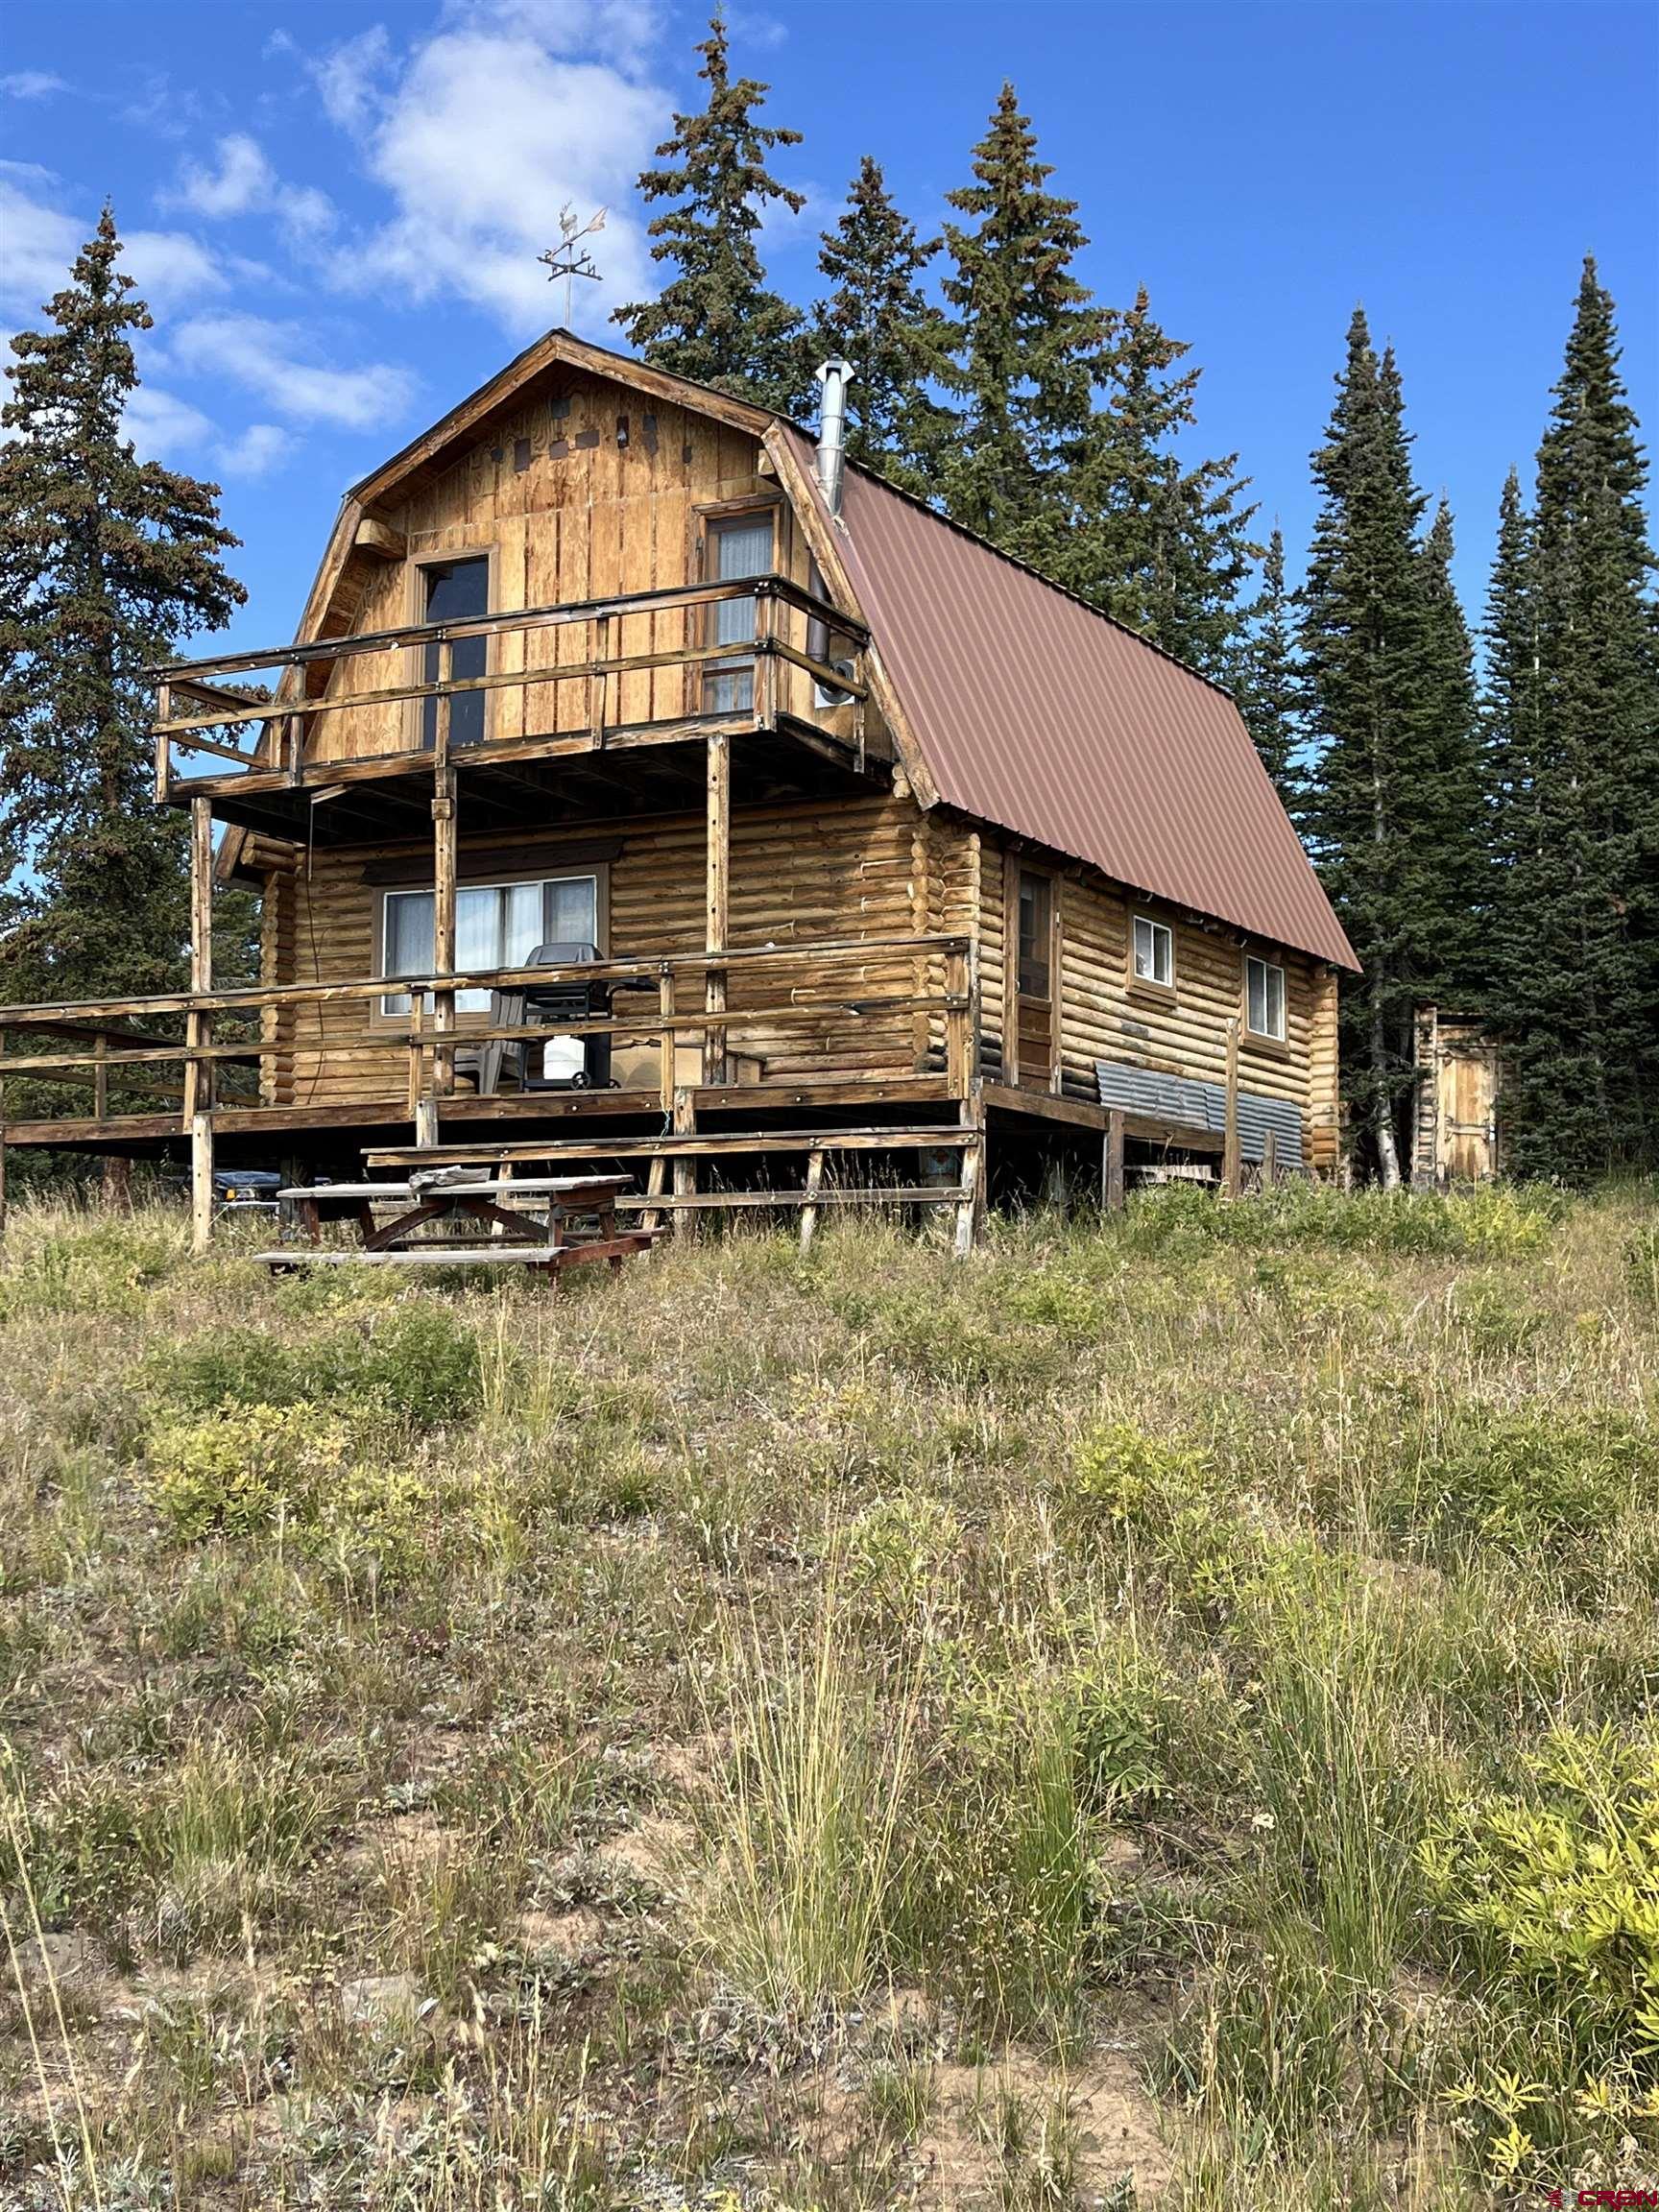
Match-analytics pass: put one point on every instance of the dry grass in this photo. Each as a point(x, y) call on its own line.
point(1163, 1711)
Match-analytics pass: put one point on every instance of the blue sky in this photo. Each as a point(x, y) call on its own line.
point(335, 206)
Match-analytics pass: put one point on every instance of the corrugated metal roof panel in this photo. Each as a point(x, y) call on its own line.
point(1035, 712)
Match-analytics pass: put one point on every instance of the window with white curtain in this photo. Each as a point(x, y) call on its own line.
point(738, 545)
point(497, 926)
point(1154, 951)
point(1264, 999)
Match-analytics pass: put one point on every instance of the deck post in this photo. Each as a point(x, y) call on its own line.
point(164, 745)
point(717, 901)
point(2, 1133)
point(665, 1007)
point(443, 929)
point(199, 1027)
point(685, 1119)
point(1230, 1175)
point(1112, 1162)
point(959, 1011)
point(809, 1210)
point(1270, 1160)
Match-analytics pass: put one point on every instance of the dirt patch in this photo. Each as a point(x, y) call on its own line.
point(1022, 2115)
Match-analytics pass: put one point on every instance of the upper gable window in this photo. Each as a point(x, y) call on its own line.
point(1154, 953)
point(738, 545)
point(455, 591)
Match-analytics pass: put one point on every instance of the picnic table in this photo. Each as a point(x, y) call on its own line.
point(570, 1219)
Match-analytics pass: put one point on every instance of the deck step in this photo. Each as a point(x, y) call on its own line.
point(695, 1147)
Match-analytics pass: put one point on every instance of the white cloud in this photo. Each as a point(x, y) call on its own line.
point(351, 78)
point(32, 84)
point(163, 427)
point(272, 361)
point(36, 246)
point(241, 182)
point(39, 241)
point(256, 451)
point(482, 135)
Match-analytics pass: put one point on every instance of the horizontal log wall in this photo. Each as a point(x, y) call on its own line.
point(1105, 1017)
point(799, 872)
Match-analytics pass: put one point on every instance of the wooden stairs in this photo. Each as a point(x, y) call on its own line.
point(674, 1162)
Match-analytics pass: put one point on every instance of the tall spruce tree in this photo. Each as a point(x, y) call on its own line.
point(1264, 679)
point(715, 320)
point(1508, 738)
point(1456, 804)
point(882, 321)
point(106, 563)
point(1380, 810)
point(1578, 992)
point(1024, 336)
point(1161, 545)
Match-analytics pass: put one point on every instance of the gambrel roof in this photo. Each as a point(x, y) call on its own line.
point(1011, 701)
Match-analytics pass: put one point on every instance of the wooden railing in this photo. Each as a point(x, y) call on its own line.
point(619, 662)
point(422, 1046)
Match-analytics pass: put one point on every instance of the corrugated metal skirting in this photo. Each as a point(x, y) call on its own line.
point(1184, 1099)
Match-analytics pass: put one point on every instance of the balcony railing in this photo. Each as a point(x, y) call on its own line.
point(637, 668)
point(816, 987)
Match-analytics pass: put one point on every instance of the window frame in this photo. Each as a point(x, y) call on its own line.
point(706, 522)
point(597, 872)
point(1155, 985)
point(446, 557)
point(1271, 1040)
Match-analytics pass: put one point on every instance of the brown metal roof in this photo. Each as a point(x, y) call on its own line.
point(1037, 713)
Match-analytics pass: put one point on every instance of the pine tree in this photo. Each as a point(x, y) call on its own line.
point(1160, 547)
point(1265, 678)
point(1508, 738)
point(1024, 338)
point(1381, 811)
point(106, 563)
point(880, 318)
point(715, 320)
point(1577, 995)
point(1456, 802)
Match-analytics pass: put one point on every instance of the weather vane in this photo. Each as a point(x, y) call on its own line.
point(571, 259)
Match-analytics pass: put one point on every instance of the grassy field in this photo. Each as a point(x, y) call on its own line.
point(1162, 1714)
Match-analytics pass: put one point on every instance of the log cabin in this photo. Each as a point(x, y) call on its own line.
point(846, 837)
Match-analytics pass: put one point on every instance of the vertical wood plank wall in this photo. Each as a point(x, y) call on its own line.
point(582, 494)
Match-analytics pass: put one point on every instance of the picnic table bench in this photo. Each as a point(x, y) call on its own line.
point(569, 1220)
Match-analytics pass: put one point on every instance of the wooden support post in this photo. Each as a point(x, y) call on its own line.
point(718, 901)
point(294, 747)
point(685, 1165)
point(665, 1007)
point(1112, 1162)
point(164, 745)
point(809, 1212)
point(656, 1184)
point(765, 659)
point(101, 1076)
point(596, 682)
point(968, 1206)
point(1270, 1160)
point(199, 1027)
point(443, 929)
point(958, 1027)
point(1230, 1176)
point(2, 1133)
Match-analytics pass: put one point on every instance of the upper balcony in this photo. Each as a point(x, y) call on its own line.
point(497, 694)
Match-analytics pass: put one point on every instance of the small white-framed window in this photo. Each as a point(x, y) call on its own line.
point(1154, 951)
point(1264, 999)
point(497, 926)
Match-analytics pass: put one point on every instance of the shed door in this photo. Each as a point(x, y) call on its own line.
point(1467, 1083)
